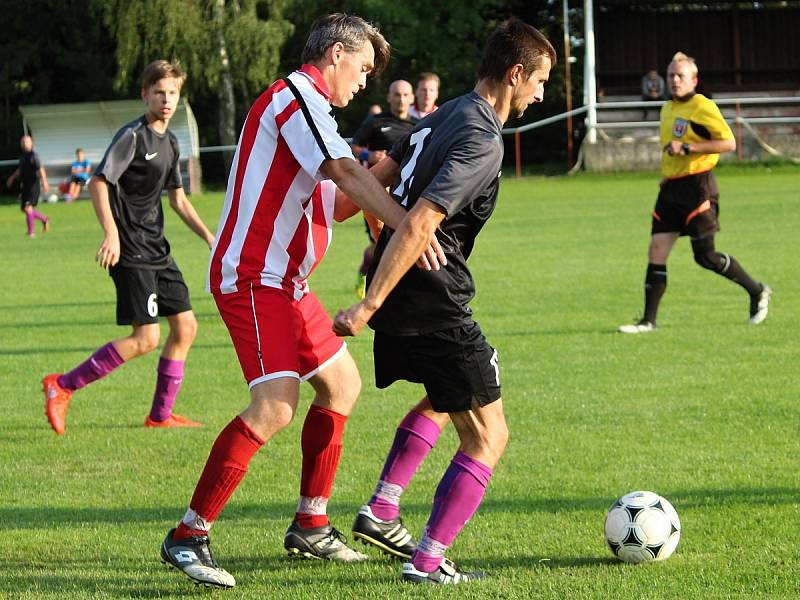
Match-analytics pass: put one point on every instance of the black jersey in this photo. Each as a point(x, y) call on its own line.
point(138, 165)
point(29, 165)
point(452, 158)
point(382, 131)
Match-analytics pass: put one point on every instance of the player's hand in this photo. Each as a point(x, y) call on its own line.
point(376, 157)
point(352, 320)
point(108, 253)
point(673, 148)
point(433, 258)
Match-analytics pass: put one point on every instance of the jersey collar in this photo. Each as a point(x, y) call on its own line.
point(315, 77)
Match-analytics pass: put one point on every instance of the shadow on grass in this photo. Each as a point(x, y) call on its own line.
point(21, 517)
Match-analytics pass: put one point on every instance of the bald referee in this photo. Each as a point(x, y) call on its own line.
point(693, 135)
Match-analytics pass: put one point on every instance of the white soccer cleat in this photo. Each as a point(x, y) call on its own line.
point(640, 327)
point(759, 305)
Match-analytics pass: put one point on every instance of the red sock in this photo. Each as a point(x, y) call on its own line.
point(183, 531)
point(225, 468)
point(321, 442)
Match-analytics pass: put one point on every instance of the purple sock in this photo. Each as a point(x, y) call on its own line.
point(98, 365)
point(37, 215)
point(457, 498)
point(415, 437)
point(29, 218)
point(168, 383)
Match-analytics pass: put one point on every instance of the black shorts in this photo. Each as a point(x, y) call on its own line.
point(688, 206)
point(145, 294)
point(78, 180)
point(30, 194)
point(457, 366)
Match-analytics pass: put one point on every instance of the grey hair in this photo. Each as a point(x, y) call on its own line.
point(349, 30)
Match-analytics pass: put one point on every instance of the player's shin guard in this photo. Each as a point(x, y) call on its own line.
point(321, 443)
point(457, 498)
point(415, 437)
point(101, 363)
point(226, 466)
point(655, 284)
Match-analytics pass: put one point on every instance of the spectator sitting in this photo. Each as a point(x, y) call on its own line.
point(79, 175)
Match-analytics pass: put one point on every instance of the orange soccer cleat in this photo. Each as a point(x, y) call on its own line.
point(173, 421)
point(56, 402)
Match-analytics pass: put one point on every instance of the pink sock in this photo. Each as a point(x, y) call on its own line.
point(37, 215)
point(457, 498)
point(29, 218)
point(98, 365)
point(168, 383)
point(415, 437)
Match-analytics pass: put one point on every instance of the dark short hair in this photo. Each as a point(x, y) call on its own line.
point(161, 69)
point(514, 42)
point(352, 32)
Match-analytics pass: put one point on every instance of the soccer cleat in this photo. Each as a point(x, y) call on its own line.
point(56, 402)
point(192, 555)
point(446, 573)
point(390, 536)
point(759, 305)
point(361, 286)
point(173, 421)
point(321, 543)
point(639, 327)
point(46, 226)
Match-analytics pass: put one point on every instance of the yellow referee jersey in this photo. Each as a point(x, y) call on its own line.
point(694, 120)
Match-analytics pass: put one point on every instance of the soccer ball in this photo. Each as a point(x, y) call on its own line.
point(642, 527)
point(51, 198)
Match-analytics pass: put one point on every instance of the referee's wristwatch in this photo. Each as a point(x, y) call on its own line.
point(685, 148)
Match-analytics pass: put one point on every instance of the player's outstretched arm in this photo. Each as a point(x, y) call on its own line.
point(385, 172)
point(108, 253)
point(364, 190)
point(407, 243)
point(185, 209)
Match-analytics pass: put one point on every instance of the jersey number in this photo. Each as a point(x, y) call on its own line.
point(407, 174)
point(152, 305)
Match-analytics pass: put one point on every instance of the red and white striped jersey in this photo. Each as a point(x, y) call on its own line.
point(276, 220)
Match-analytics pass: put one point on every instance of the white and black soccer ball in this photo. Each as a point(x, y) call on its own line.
point(642, 527)
point(51, 198)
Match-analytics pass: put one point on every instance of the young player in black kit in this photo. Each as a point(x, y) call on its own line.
point(140, 163)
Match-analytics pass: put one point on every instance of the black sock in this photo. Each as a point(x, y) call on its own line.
point(655, 284)
point(736, 273)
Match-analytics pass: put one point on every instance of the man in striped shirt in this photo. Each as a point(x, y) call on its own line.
point(274, 229)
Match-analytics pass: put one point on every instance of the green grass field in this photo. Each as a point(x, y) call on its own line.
point(704, 411)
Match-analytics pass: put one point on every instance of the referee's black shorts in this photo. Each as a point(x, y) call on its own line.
point(457, 366)
point(688, 206)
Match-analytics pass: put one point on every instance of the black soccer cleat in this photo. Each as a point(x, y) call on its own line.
point(446, 574)
point(390, 536)
point(192, 555)
point(321, 543)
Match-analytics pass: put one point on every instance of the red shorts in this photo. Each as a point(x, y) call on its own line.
point(276, 336)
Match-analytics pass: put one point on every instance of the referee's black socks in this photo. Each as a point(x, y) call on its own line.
point(655, 284)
